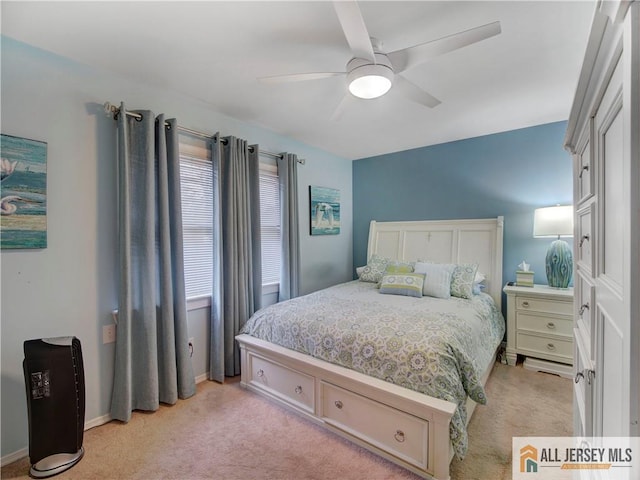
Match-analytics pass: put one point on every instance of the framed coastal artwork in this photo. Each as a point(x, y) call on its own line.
point(23, 193)
point(325, 210)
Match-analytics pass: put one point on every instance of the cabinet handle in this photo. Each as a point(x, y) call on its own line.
point(399, 436)
point(586, 373)
point(551, 346)
point(551, 326)
point(338, 404)
point(584, 237)
point(584, 167)
point(585, 306)
point(525, 304)
point(298, 389)
point(260, 373)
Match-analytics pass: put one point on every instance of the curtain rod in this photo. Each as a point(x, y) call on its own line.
point(111, 109)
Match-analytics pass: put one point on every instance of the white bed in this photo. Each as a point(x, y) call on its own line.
point(402, 425)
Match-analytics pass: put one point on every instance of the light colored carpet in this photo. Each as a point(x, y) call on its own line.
point(227, 433)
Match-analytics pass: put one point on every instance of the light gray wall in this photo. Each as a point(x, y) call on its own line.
point(70, 287)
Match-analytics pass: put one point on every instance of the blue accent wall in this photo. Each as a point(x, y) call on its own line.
point(509, 174)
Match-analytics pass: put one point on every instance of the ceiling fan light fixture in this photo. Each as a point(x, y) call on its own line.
point(370, 81)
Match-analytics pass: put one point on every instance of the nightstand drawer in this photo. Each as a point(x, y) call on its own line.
point(545, 347)
point(543, 305)
point(545, 324)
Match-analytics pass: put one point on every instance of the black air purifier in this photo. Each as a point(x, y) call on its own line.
point(54, 379)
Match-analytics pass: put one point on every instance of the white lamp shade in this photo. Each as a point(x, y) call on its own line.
point(553, 221)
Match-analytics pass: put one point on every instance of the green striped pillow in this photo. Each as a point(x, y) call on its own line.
point(409, 284)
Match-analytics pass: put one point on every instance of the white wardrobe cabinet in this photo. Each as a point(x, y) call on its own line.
point(603, 135)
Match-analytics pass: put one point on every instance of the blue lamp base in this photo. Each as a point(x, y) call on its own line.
point(559, 264)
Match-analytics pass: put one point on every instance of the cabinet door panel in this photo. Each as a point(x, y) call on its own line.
point(613, 333)
point(585, 311)
point(584, 172)
point(584, 238)
point(612, 196)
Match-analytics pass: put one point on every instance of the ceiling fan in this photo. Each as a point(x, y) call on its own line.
point(371, 72)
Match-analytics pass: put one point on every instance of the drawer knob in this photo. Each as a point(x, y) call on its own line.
point(584, 237)
point(584, 167)
point(338, 404)
point(551, 346)
point(525, 304)
point(583, 307)
point(551, 326)
point(399, 436)
point(260, 373)
point(298, 389)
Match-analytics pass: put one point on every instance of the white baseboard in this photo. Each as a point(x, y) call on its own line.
point(14, 457)
point(94, 422)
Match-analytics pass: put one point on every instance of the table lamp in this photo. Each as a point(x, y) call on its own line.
point(556, 222)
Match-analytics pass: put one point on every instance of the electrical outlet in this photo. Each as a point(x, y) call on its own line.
point(109, 333)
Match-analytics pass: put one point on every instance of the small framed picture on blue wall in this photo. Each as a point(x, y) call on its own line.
point(325, 210)
point(23, 193)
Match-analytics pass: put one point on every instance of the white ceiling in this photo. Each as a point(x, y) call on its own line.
point(214, 51)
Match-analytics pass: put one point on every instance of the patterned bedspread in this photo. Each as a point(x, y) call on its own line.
point(434, 346)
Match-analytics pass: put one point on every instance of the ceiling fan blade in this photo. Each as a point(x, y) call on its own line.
point(410, 57)
point(299, 77)
point(414, 93)
point(355, 30)
point(337, 113)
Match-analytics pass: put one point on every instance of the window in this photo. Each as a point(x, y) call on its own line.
point(270, 223)
point(196, 185)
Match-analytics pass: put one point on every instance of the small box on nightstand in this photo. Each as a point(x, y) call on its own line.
point(524, 279)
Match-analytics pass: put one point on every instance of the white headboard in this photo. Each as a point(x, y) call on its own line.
point(444, 241)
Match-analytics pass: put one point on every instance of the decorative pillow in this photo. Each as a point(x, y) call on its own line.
point(374, 270)
point(462, 280)
point(398, 267)
point(359, 271)
point(409, 284)
point(437, 278)
point(478, 283)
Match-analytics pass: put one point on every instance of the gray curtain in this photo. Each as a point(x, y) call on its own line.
point(238, 266)
point(290, 267)
point(152, 361)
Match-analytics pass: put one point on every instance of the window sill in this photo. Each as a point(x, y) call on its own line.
point(270, 288)
point(196, 303)
point(204, 301)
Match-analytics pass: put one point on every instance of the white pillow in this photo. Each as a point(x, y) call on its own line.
point(478, 283)
point(437, 278)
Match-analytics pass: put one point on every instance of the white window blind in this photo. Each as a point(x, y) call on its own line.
point(270, 224)
point(196, 183)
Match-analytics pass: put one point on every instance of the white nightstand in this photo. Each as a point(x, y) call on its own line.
point(540, 327)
